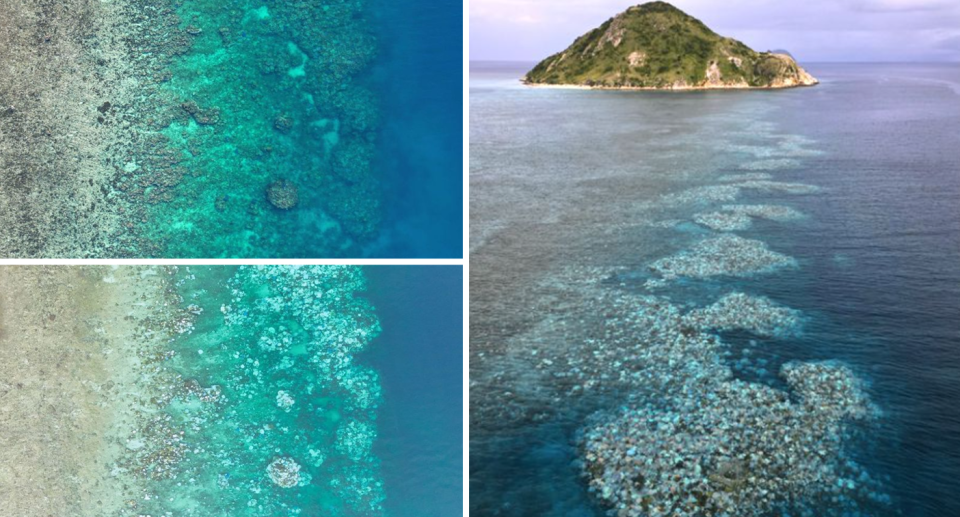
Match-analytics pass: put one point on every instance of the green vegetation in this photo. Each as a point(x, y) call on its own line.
point(656, 45)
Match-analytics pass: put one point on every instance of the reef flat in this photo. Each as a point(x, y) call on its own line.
point(136, 391)
point(70, 384)
point(191, 128)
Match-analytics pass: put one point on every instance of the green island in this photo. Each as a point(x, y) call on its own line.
point(657, 46)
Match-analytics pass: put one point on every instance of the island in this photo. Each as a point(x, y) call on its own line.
point(655, 46)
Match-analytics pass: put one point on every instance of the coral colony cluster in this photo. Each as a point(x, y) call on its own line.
point(740, 217)
point(725, 255)
point(741, 311)
point(289, 414)
point(740, 449)
point(693, 440)
point(735, 184)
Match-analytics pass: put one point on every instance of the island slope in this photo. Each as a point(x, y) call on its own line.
point(657, 46)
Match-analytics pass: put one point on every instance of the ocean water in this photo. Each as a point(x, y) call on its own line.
point(270, 390)
point(421, 142)
point(585, 252)
point(324, 129)
point(419, 356)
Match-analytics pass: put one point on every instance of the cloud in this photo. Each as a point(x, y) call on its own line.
point(539, 11)
point(952, 43)
point(822, 30)
point(901, 5)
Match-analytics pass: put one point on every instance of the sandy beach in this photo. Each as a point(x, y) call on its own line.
point(672, 88)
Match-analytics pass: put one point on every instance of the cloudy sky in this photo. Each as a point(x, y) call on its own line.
point(813, 30)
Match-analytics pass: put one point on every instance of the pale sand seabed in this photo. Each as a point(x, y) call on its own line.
point(71, 386)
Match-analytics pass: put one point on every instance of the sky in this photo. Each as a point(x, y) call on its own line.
point(812, 30)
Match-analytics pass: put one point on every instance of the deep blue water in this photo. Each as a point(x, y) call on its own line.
point(559, 179)
point(418, 76)
point(419, 356)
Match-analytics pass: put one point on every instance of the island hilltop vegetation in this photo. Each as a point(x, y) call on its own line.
point(657, 46)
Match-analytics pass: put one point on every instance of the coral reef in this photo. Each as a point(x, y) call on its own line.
point(705, 194)
point(284, 472)
point(174, 112)
point(779, 186)
point(756, 314)
point(282, 346)
point(746, 176)
point(739, 217)
point(725, 255)
point(771, 212)
point(772, 164)
point(351, 160)
point(737, 449)
point(283, 194)
point(284, 400)
point(283, 123)
point(723, 221)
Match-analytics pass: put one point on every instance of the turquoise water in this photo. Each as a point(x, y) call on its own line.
point(297, 130)
point(270, 400)
point(631, 346)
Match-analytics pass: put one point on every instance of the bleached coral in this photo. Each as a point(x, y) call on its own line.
point(725, 255)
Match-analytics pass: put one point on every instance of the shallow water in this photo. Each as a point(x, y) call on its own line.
point(349, 103)
point(275, 406)
point(575, 194)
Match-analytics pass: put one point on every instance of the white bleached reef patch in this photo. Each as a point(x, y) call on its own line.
point(772, 212)
point(788, 147)
point(794, 148)
point(725, 255)
point(779, 186)
point(284, 472)
point(736, 448)
point(724, 221)
point(293, 416)
point(755, 314)
point(703, 194)
point(772, 164)
point(756, 447)
point(285, 400)
point(747, 176)
point(740, 217)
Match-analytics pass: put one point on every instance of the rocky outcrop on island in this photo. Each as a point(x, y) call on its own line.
point(657, 46)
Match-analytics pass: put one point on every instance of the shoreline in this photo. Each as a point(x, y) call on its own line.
point(658, 89)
